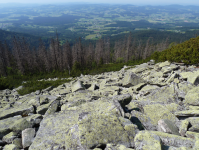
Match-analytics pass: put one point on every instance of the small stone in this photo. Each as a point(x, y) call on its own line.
point(52, 108)
point(37, 92)
point(77, 86)
point(145, 140)
point(183, 127)
point(192, 135)
point(18, 142)
point(166, 63)
point(167, 126)
point(27, 137)
point(10, 147)
point(9, 137)
point(189, 113)
point(132, 80)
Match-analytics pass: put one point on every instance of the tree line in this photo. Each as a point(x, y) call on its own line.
point(23, 59)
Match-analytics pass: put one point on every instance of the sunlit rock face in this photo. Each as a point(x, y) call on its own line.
point(144, 107)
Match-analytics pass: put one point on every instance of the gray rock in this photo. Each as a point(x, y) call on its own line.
point(124, 99)
point(9, 137)
point(192, 97)
point(131, 79)
point(6, 125)
point(145, 140)
point(174, 140)
point(167, 126)
point(42, 109)
point(85, 127)
point(192, 77)
point(142, 121)
point(192, 135)
point(22, 110)
point(27, 137)
point(34, 119)
point(163, 64)
point(10, 147)
point(16, 124)
point(77, 86)
point(115, 147)
point(37, 92)
point(53, 107)
point(183, 127)
point(189, 113)
point(18, 143)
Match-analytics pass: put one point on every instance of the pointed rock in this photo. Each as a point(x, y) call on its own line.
point(132, 79)
point(76, 86)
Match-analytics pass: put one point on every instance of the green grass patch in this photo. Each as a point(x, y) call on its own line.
point(91, 36)
point(32, 86)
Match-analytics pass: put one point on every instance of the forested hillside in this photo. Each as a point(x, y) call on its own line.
point(32, 40)
point(186, 52)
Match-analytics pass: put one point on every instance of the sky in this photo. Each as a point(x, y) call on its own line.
point(135, 2)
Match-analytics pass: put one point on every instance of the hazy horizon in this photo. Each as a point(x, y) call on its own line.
point(133, 2)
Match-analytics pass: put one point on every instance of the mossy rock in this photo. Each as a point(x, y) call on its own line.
point(192, 97)
point(145, 140)
point(157, 112)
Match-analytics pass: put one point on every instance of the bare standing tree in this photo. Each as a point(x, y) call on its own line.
point(128, 47)
point(67, 56)
point(43, 56)
point(107, 52)
point(18, 55)
point(2, 60)
point(99, 51)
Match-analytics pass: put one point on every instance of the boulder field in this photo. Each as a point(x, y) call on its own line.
point(144, 107)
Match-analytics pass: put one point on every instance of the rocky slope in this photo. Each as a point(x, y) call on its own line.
point(146, 107)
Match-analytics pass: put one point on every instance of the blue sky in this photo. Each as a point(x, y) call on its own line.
point(140, 2)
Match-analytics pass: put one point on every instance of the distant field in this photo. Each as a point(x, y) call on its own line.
point(91, 21)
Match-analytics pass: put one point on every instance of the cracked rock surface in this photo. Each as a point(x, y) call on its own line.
point(144, 107)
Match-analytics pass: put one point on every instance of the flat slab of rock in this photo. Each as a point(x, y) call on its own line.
point(22, 110)
point(163, 64)
point(164, 94)
point(157, 112)
point(11, 147)
point(174, 140)
point(84, 127)
point(190, 113)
